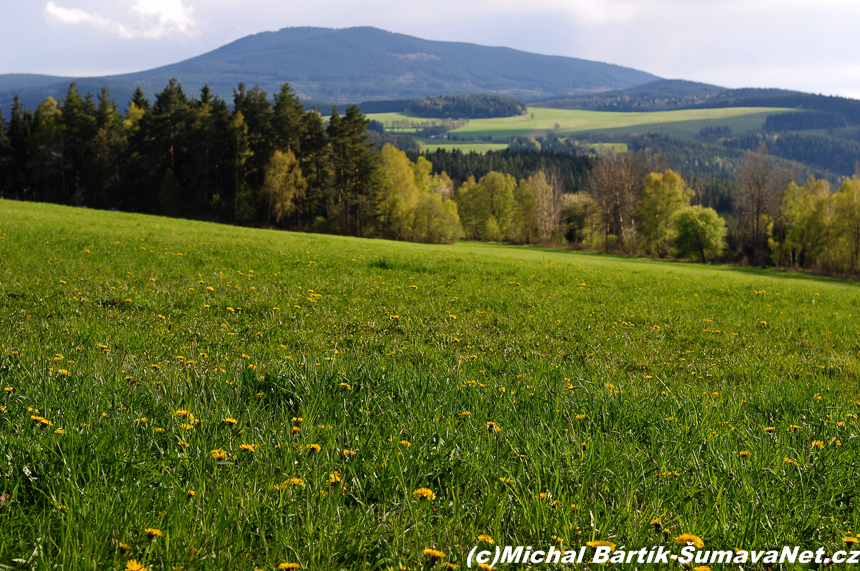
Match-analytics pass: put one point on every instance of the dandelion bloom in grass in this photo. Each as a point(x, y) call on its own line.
point(705, 567)
point(289, 566)
point(63, 372)
point(290, 482)
point(506, 480)
point(350, 454)
point(850, 540)
point(191, 494)
point(601, 543)
point(466, 413)
point(485, 567)
point(219, 454)
point(769, 428)
point(434, 554)
point(817, 444)
point(581, 417)
point(230, 421)
point(124, 547)
point(345, 386)
point(656, 522)
point(744, 454)
point(153, 532)
point(450, 565)
point(486, 539)
point(689, 538)
point(790, 461)
point(424, 494)
point(405, 443)
point(248, 447)
point(334, 478)
point(133, 565)
point(313, 448)
point(493, 427)
point(793, 428)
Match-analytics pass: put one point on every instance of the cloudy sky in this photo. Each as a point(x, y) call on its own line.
point(807, 45)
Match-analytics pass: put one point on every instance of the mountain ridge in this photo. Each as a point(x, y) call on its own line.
point(351, 65)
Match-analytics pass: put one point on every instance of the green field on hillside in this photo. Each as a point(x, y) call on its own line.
point(179, 394)
point(685, 123)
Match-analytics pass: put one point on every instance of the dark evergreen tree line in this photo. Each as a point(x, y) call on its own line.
point(192, 157)
point(467, 106)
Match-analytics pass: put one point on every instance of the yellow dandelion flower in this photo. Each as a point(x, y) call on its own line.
point(486, 539)
point(689, 538)
point(230, 421)
point(655, 522)
point(153, 532)
point(63, 372)
point(295, 430)
point(817, 444)
point(219, 454)
point(769, 428)
point(595, 544)
point(289, 566)
point(705, 567)
point(466, 414)
point(485, 567)
point(434, 554)
point(850, 540)
point(248, 447)
point(790, 461)
point(334, 478)
point(506, 480)
point(124, 547)
point(313, 448)
point(133, 565)
point(191, 494)
point(405, 443)
point(581, 417)
point(493, 427)
point(350, 454)
point(424, 493)
point(744, 454)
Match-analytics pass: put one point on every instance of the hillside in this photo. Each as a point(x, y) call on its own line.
point(175, 389)
point(358, 64)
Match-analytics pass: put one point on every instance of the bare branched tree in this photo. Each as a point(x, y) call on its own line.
point(761, 184)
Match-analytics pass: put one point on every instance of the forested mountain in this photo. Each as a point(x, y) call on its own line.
point(359, 64)
point(672, 94)
point(659, 95)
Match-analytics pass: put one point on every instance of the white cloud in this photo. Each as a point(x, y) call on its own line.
point(156, 19)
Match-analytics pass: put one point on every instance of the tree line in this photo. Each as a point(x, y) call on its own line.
point(478, 106)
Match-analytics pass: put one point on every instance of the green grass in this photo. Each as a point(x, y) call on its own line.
point(625, 390)
point(686, 123)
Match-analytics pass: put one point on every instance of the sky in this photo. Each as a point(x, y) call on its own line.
point(807, 45)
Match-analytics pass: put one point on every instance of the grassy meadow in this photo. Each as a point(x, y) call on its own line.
point(185, 395)
point(686, 123)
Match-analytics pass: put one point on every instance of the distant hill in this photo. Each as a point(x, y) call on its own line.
point(674, 94)
point(659, 95)
point(354, 65)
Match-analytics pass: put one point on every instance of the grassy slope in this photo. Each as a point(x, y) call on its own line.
point(625, 389)
point(571, 121)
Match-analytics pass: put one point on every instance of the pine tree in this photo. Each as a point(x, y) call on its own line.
point(79, 129)
point(288, 120)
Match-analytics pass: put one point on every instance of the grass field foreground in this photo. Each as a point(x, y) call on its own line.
point(181, 394)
